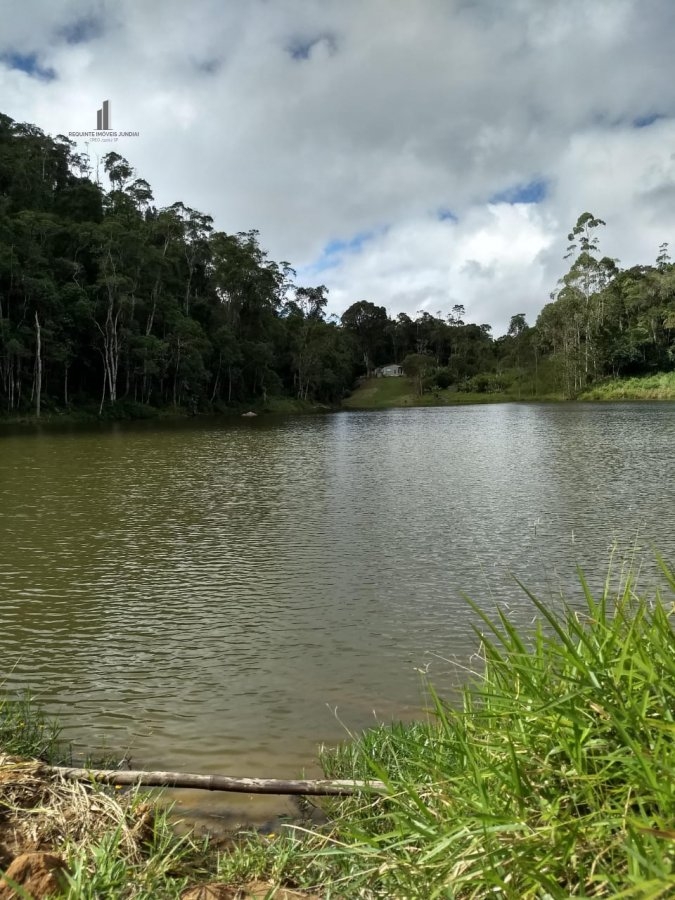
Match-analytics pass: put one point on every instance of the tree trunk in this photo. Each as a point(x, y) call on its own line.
point(105, 384)
point(175, 374)
point(38, 366)
point(216, 383)
point(151, 317)
point(127, 386)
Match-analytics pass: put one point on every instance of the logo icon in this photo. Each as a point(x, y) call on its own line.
point(104, 133)
point(103, 117)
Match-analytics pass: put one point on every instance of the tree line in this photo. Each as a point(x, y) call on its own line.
point(106, 299)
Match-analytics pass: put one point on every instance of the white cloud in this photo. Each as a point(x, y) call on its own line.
point(317, 120)
point(430, 265)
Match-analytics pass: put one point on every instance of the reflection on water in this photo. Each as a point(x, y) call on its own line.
point(223, 596)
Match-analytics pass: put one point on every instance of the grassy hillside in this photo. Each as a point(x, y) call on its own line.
point(647, 387)
point(381, 393)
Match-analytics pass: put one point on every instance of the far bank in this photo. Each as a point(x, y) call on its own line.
point(371, 393)
point(124, 411)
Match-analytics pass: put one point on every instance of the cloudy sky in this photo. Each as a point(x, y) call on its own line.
point(415, 153)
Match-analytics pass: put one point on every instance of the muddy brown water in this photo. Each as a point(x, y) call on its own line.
point(222, 596)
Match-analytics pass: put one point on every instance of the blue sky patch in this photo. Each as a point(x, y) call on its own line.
point(28, 63)
point(646, 121)
point(79, 31)
point(335, 251)
point(353, 245)
point(300, 49)
point(445, 215)
point(533, 192)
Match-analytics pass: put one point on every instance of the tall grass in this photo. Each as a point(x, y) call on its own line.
point(26, 731)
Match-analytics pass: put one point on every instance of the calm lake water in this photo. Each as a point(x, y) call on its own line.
point(223, 596)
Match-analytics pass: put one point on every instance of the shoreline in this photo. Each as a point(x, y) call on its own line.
point(137, 413)
point(358, 401)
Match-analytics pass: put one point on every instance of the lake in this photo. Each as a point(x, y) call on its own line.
point(221, 596)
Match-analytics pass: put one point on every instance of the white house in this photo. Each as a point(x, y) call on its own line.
point(392, 370)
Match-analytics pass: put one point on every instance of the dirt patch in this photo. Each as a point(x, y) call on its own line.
point(36, 874)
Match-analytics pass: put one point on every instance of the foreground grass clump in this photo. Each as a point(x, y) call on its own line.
point(26, 731)
point(115, 845)
point(138, 857)
point(111, 846)
point(555, 779)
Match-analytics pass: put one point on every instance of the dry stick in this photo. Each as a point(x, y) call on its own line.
point(220, 782)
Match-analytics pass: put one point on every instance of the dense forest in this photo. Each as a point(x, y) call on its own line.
point(106, 300)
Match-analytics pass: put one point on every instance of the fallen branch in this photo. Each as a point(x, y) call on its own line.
point(220, 782)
